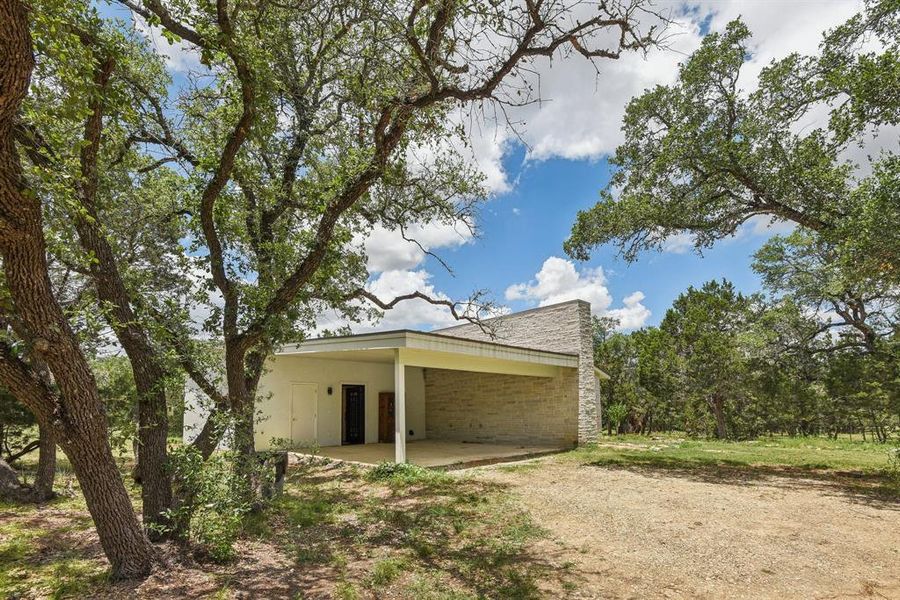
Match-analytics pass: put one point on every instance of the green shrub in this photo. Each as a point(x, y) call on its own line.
point(405, 474)
point(893, 466)
point(616, 413)
point(215, 503)
point(346, 591)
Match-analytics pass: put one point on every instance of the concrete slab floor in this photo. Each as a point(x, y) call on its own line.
point(437, 453)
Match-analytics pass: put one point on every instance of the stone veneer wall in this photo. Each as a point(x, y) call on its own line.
point(488, 407)
point(564, 327)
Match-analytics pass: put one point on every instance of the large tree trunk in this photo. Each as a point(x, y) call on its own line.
point(79, 425)
point(77, 413)
point(242, 409)
point(156, 485)
point(46, 469)
point(123, 540)
point(244, 369)
point(149, 375)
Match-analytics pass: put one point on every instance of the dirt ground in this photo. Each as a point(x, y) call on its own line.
point(565, 526)
point(639, 532)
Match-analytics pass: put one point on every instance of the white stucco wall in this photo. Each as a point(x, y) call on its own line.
point(274, 405)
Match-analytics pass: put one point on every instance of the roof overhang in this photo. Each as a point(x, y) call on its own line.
point(420, 349)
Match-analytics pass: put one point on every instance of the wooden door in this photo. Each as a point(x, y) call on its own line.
point(386, 417)
point(354, 414)
point(304, 400)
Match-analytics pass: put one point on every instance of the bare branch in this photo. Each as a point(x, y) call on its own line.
point(155, 9)
point(461, 311)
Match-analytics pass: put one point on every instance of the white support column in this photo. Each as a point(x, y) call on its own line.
point(399, 407)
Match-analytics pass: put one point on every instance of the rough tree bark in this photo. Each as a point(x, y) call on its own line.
point(149, 373)
point(76, 414)
point(46, 469)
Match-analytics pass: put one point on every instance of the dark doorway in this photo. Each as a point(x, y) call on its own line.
point(354, 414)
point(386, 417)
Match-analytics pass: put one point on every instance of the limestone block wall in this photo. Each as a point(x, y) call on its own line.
point(488, 407)
point(563, 327)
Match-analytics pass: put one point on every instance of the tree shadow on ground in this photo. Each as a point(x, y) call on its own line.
point(857, 487)
point(464, 535)
point(332, 534)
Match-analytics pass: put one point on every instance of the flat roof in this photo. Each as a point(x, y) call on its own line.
point(430, 342)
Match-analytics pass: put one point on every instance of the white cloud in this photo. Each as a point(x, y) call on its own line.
point(633, 315)
point(180, 56)
point(779, 28)
point(395, 265)
point(765, 225)
point(410, 313)
point(488, 145)
point(678, 243)
point(580, 113)
point(559, 281)
point(388, 251)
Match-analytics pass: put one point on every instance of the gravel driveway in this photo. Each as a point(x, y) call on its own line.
point(648, 533)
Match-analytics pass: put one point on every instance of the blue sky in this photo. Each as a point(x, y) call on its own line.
point(521, 228)
point(542, 174)
point(538, 189)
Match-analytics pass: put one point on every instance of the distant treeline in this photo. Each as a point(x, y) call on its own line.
point(733, 366)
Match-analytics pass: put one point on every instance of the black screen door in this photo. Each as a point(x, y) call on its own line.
point(354, 414)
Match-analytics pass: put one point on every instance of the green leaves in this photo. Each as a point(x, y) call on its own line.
point(703, 156)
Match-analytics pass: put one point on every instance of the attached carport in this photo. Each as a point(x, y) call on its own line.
point(520, 388)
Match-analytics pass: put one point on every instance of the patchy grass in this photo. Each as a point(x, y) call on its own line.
point(865, 462)
point(47, 557)
point(397, 531)
point(51, 550)
point(406, 531)
point(801, 452)
point(388, 570)
point(402, 475)
point(337, 531)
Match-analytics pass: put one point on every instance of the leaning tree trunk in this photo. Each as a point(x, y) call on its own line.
point(46, 469)
point(149, 374)
point(121, 536)
point(79, 425)
point(76, 413)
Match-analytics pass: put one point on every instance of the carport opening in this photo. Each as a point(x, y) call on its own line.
point(488, 401)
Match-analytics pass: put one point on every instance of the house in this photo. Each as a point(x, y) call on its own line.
point(528, 385)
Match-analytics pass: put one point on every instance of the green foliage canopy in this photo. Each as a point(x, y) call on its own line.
point(703, 155)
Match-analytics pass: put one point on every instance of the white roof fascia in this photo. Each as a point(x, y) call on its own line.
point(431, 342)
